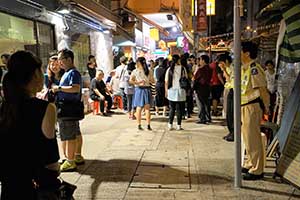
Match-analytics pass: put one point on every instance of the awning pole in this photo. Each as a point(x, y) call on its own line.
point(237, 94)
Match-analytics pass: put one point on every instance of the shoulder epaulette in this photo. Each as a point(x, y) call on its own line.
point(253, 64)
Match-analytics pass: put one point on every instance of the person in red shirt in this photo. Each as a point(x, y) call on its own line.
point(202, 87)
point(217, 87)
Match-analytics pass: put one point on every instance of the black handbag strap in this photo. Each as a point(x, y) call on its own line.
point(183, 72)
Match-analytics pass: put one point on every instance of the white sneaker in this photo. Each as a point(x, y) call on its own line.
point(179, 128)
point(170, 127)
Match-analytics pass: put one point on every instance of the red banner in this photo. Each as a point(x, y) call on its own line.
point(201, 16)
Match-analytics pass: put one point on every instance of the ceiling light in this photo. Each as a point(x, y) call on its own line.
point(174, 29)
point(64, 11)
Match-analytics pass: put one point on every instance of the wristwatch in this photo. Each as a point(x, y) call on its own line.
point(59, 88)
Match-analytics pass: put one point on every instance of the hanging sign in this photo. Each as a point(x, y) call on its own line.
point(201, 18)
point(186, 14)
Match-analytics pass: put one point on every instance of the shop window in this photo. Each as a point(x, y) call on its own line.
point(20, 34)
point(80, 45)
point(45, 35)
point(16, 34)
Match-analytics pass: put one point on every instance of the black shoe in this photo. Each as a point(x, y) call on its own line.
point(252, 177)
point(230, 138)
point(140, 127)
point(201, 122)
point(226, 136)
point(244, 170)
point(149, 128)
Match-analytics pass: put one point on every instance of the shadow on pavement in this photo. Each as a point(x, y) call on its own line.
point(126, 170)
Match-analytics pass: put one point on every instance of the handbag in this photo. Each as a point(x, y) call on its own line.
point(64, 191)
point(184, 81)
point(70, 110)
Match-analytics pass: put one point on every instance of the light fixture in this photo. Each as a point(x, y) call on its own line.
point(174, 29)
point(248, 27)
point(64, 11)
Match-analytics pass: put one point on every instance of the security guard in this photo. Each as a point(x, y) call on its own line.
point(254, 100)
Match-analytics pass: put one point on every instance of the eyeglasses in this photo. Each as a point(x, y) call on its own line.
point(61, 58)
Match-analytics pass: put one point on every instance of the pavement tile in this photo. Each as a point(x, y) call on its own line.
point(193, 164)
point(161, 177)
point(149, 194)
point(170, 158)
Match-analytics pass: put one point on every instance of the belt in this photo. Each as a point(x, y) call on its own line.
point(144, 87)
point(257, 100)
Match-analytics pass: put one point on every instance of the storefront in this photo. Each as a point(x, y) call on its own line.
point(18, 33)
point(43, 30)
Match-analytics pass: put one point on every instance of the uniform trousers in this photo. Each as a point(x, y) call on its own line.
point(251, 116)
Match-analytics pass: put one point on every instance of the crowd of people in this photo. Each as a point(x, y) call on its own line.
point(171, 85)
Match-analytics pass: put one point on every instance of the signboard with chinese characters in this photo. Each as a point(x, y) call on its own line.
point(210, 7)
point(186, 14)
point(201, 18)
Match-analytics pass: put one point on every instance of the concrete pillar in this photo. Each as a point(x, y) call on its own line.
point(101, 48)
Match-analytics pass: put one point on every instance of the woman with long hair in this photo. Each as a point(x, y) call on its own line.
point(54, 72)
point(51, 78)
point(175, 94)
point(27, 125)
point(142, 77)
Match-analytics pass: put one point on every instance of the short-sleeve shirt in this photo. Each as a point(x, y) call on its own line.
point(258, 77)
point(271, 81)
point(99, 85)
point(140, 75)
point(70, 77)
point(92, 71)
point(120, 71)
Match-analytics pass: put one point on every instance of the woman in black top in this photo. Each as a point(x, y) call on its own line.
point(92, 66)
point(27, 131)
point(160, 97)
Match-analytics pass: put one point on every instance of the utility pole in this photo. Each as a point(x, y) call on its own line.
point(209, 32)
point(237, 93)
point(195, 33)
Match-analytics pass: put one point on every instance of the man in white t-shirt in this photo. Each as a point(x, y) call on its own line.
point(120, 71)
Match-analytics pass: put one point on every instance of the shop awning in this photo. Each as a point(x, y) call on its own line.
point(272, 13)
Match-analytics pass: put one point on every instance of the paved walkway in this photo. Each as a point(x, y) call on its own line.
point(125, 164)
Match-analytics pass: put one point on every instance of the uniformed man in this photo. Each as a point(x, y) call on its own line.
point(254, 101)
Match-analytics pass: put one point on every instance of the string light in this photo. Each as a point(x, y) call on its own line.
point(248, 28)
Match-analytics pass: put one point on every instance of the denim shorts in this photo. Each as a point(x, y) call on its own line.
point(68, 130)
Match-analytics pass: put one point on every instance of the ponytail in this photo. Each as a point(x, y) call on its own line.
point(175, 59)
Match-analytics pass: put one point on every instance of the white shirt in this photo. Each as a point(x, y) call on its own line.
point(271, 85)
point(140, 75)
point(120, 71)
point(175, 93)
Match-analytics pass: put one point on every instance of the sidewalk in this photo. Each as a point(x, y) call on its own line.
point(196, 163)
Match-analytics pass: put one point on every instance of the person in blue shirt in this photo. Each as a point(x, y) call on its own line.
point(69, 89)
